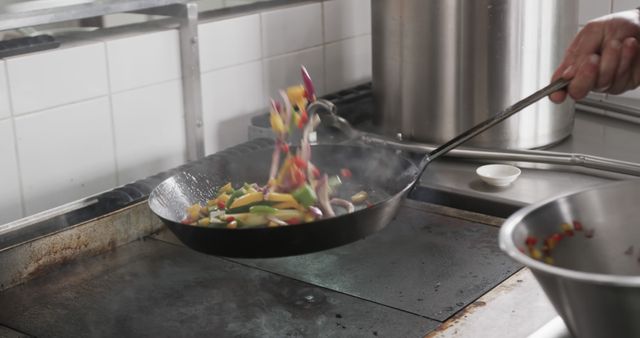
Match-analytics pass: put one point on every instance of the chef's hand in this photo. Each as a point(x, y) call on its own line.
point(603, 57)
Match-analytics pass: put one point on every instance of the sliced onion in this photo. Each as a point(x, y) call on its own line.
point(305, 151)
point(305, 147)
point(315, 211)
point(276, 220)
point(308, 85)
point(343, 203)
point(323, 196)
point(275, 161)
point(312, 180)
point(287, 108)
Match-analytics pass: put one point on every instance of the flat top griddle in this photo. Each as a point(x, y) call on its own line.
point(401, 282)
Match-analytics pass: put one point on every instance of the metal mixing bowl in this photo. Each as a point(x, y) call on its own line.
point(594, 281)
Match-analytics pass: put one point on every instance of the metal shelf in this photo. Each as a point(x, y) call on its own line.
point(34, 13)
point(185, 11)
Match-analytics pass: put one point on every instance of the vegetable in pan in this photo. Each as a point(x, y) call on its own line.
point(297, 190)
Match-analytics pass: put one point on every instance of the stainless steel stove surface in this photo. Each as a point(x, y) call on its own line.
point(402, 282)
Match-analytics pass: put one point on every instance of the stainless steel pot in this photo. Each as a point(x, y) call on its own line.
point(441, 66)
point(594, 283)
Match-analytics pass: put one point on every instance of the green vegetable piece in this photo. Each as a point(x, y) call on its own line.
point(262, 209)
point(334, 182)
point(235, 195)
point(245, 208)
point(305, 195)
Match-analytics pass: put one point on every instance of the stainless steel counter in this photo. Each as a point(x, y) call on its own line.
point(594, 134)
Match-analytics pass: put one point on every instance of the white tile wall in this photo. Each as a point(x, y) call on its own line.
point(144, 59)
point(591, 9)
point(65, 153)
point(291, 29)
point(10, 201)
point(283, 71)
point(229, 42)
point(350, 63)
point(149, 130)
point(5, 107)
point(346, 18)
point(231, 96)
point(44, 80)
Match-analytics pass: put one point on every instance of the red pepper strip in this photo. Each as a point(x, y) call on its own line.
point(531, 241)
point(284, 147)
point(316, 172)
point(299, 162)
point(298, 176)
point(231, 219)
point(346, 173)
point(577, 225)
point(304, 118)
point(221, 205)
point(293, 221)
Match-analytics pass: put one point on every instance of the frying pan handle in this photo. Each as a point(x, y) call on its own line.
point(492, 121)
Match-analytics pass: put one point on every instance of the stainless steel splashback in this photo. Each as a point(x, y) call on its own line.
point(441, 66)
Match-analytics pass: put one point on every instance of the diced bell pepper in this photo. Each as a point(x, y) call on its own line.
point(359, 197)
point(247, 199)
point(288, 205)
point(234, 196)
point(296, 94)
point(276, 123)
point(204, 221)
point(305, 195)
point(194, 211)
point(262, 209)
point(279, 197)
point(226, 189)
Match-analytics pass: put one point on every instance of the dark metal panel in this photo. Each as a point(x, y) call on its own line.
point(154, 289)
point(6, 332)
point(423, 263)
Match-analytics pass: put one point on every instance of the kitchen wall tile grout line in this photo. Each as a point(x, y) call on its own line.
point(324, 43)
point(112, 117)
point(96, 97)
point(23, 206)
point(264, 99)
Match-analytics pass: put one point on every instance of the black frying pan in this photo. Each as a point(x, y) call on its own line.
point(384, 174)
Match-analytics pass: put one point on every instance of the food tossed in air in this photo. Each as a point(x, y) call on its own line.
point(297, 191)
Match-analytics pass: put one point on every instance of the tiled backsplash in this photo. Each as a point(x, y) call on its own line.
point(87, 117)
